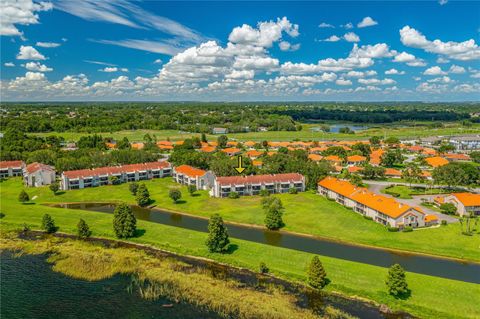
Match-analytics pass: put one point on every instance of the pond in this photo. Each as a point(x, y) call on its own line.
point(423, 264)
point(31, 289)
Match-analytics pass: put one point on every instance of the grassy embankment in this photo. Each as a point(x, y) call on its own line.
point(305, 134)
point(306, 213)
point(165, 277)
point(458, 299)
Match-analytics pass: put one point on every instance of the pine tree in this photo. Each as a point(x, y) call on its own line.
point(217, 240)
point(48, 224)
point(83, 231)
point(54, 187)
point(23, 197)
point(396, 282)
point(143, 196)
point(124, 222)
point(317, 277)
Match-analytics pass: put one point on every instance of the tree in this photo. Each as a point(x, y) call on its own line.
point(412, 173)
point(83, 231)
point(48, 225)
point(317, 277)
point(356, 180)
point(373, 172)
point(448, 208)
point(475, 156)
point(124, 222)
point(124, 144)
point(362, 148)
point(23, 197)
point(222, 141)
point(263, 268)
point(54, 187)
point(133, 187)
point(114, 180)
point(392, 140)
point(192, 189)
point(375, 140)
point(217, 241)
point(175, 194)
point(204, 138)
point(396, 282)
point(143, 196)
point(391, 157)
point(274, 211)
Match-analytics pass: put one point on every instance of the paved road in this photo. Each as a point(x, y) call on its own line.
point(377, 186)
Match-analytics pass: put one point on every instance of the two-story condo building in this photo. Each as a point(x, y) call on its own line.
point(466, 203)
point(252, 184)
point(38, 174)
point(382, 209)
point(188, 175)
point(11, 168)
point(104, 175)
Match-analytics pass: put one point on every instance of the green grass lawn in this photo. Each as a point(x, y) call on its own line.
point(432, 297)
point(305, 134)
point(306, 213)
point(405, 192)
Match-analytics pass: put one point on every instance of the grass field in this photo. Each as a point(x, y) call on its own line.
point(456, 300)
point(305, 134)
point(306, 213)
point(405, 192)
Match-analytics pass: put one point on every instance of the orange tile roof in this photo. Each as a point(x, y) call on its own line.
point(256, 179)
point(190, 171)
point(257, 163)
point(164, 143)
point(315, 157)
point(13, 164)
point(380, 203)
point(354, 169)
point(392, 172)
point(430, 218)
point(356, 158)
point(468, 199)
point(439, 199)
point(179, 142)
point(249, 143)
point(232, 150)
point(318, 149)
point(333, 158)
point(232, 143)
point(460, 157)
point(137, 146)
point(111, 145)
point(436, 161)
point(165, 147)
point(254, 153)
point(426, 174)
point(429, 151)
point(33, 167)
point(207, 149)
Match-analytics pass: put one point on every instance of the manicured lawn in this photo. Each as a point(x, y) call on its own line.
point(432, 297)
point(406, 192)
point(305, 134)
point(307, 213)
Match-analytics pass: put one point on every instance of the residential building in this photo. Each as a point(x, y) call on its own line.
point(114, 174)
point(38, 174)
point(253, 184)
point(356, 160)
point(457, 157)
point(219, 130)
point(436, 161)
point(232, 151)
point(188, 175)
point(466, 143)
point(466, 203)
point(393, 173)
point(11, 168)
point(382, 209)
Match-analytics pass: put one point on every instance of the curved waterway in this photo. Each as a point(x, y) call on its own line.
point(417, 263)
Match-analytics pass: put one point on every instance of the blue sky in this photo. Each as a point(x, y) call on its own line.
point(234, 51)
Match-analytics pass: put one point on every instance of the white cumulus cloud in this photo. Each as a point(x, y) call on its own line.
point(38, 67)
point(19, 12)
point(29, 53)
point(434, 70)
point(367, 22)
point(351, 37)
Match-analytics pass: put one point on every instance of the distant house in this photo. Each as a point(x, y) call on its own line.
point(103, 175)
point(219, 130)
point(262, 129)
point(393, 173)
point(454, 157)
point(11, 168)
point(188, 175)
point(38, 174)
point(356, 160)
point(232, 151)
point(436, 161)
point(466, 203)
point(382, 209)
point(253, 184)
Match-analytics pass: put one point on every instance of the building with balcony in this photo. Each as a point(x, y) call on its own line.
point(466, 203)
point(11, 168)
point(253, 184)
point(188, 175)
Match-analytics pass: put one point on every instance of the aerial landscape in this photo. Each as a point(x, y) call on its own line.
point(239, 159)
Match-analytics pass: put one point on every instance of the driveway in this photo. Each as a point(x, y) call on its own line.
point(377, 186)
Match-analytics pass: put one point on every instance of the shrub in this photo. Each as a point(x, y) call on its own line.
point(83, 231)
point(396, 281)
point(443, 223)
point(407, 229)
point(448, 208)
point(317, 277)
point(263, 268)
point(217, 241)
point(192, 189)
point(54, 187)
point(48, 225)
point(23, 197)
point(274, 211)
point(143, 196)
point(233, 195)
point(392, 229)
point(293, 190)
point(175, 194)
point(264, 192)
point(133, 187)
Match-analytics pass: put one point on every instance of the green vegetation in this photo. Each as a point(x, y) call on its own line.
point(174, 194)
point(217, 241)
point(307, 213)
point(54, 187)
point(23, 196)
point(124, 222)
point(273, 212)
point(405, 192)
point(396, 281)
point(48, 225)
point(142, 195)
point(317, 277)
point(83, 231)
